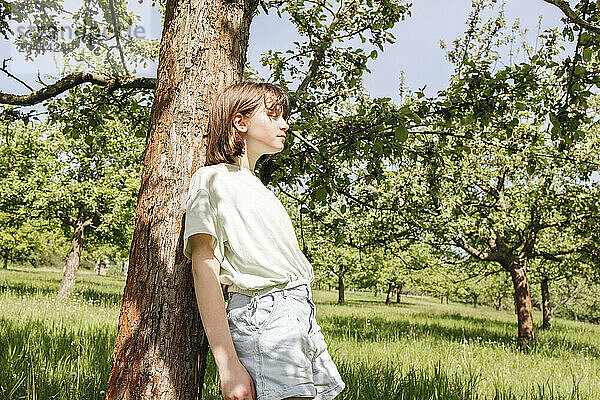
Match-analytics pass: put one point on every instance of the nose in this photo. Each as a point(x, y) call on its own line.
point(285, 126)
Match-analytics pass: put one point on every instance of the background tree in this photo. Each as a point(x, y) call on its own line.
point(91, 185)
point(21, 151)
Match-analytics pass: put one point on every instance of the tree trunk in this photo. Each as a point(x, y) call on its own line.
point(376, 292)
point(6, 254)
point(499, 304)
point(161, 348)
point(388, 297)
point(67, 284)
point(341, 299)
point(474, 300)
point(546, 308)
point(518, 268)
point(398, 293)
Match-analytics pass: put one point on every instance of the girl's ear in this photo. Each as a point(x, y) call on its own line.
point(239, 123)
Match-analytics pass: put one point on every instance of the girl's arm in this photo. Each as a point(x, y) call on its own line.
point(235, 380)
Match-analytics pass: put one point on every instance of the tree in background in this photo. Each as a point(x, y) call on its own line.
point(92, 181)
point(21, 152)
point(496, 176)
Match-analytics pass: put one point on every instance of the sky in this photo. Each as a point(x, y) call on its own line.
point(416, 50)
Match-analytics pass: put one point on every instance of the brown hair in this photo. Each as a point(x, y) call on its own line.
point(224, 141)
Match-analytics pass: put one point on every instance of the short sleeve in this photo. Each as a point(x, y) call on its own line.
point(200, 217)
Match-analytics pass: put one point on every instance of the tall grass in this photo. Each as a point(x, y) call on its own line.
point(416, 349)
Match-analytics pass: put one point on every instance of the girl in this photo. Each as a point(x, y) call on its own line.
point(266, 342)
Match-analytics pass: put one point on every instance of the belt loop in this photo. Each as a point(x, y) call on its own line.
point(283, 293)
point(253, 302)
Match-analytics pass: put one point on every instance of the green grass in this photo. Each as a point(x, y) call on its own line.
point(417, 349)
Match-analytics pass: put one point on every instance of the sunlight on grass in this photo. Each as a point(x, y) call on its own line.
point(416, 349)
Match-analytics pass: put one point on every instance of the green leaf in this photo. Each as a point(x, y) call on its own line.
point(378, 147)
point(321, 194)
point(374, 54)
point(401, 134)
point(140, 133)
point(411, 114)
point(339, 238)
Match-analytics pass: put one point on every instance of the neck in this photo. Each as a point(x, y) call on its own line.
point(246, 161)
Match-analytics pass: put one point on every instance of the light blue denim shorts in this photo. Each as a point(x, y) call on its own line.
point(278, 340)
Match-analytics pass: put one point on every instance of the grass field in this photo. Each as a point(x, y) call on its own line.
point(417, 349)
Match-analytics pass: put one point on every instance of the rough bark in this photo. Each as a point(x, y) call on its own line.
point(499, 300)
point(518, 272)
point(161, 348)
point(475, 300)
point(67, 284)
point(341, 299)
point(546, 308)
point(388, 297)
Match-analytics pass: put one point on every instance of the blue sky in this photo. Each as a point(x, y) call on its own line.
point(416, 51)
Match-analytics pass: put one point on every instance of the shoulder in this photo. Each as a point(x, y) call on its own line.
point(207, 178)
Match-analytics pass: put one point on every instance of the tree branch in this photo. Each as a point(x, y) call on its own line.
point(65, 218)
point(320, 53)
point(482, 256)
point(569, 297)
point(5, 70)
point(573, 16)
point(73, 80)
point(117, 35)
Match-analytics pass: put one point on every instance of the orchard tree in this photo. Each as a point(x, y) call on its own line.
point(495, 176)
point(91, 182)
point(339, 262)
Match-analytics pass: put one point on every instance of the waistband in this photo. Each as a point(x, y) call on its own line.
point(259, 292)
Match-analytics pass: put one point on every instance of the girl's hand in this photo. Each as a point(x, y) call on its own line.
point(236, 383)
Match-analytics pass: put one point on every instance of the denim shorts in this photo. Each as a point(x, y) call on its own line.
point(278, 340)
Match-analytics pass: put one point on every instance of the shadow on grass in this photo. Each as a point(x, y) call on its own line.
point(472, 328)
point(85, 293)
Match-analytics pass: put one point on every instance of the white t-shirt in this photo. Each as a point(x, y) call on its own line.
point(253, 236)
